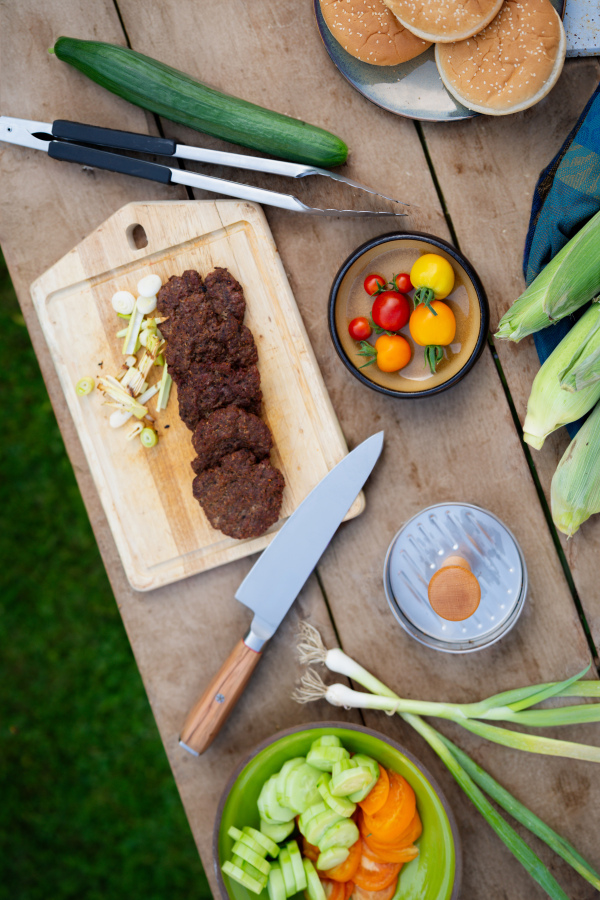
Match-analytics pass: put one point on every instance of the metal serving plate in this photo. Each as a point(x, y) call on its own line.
point(419, 550)
point(413, 89)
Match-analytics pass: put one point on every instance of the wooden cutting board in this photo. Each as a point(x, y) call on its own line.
point(160, 530)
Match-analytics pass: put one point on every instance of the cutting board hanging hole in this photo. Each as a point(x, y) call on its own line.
point(137, 237)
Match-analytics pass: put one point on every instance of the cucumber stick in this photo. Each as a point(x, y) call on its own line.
point(170, 93)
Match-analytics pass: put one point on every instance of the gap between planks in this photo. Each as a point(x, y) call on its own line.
point(491, 348)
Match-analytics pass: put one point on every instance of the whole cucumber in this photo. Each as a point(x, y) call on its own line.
point(174, 95)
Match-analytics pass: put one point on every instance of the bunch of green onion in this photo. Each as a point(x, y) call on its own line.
point(552, 403)
point(563, 286)
point(513, 706)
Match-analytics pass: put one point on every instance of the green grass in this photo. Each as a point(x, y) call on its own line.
point(88, 805)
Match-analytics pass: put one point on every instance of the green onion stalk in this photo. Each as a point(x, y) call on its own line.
point(472, 778)
point(549, 406)
point(563, 286)
point(575, 489)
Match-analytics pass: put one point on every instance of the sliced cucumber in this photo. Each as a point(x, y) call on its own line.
point(347, 777)
point(244, 852)
point(323, 758)
point(277, 831)
point(287, 767)
point(244, 838)
point(314, 888)
point(268, 807)
point(276, 884)
point(287, 870)
point(366, 762)
point(341, 834)
point(328, 740)
point(250, 870)
point(269, 846)
point(342, 805)
point(296, 858)
point(317, 826)
point(234, 833)
point(242, 877)
point(309, 814)
point(301, 787)
point(333, 857)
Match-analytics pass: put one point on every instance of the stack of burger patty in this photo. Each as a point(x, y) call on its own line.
point(212, 359)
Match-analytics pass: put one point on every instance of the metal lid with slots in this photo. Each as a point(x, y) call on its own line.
point(420, 549)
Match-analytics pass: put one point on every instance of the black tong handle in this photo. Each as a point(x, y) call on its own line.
point(100, 159)
point(109, 137)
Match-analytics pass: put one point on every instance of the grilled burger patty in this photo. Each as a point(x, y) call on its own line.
point(211, 356)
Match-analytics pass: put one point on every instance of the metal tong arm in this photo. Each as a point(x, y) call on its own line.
point(144, 143)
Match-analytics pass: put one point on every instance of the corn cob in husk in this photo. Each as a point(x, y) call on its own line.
point(549, 406)
point(563, 286)
point(575, 491)
point(584, 368)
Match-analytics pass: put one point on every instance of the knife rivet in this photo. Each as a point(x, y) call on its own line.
point(220, 698)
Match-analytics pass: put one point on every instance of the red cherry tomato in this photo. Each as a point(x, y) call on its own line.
point(402, 283)
point(360, 329)
point(391, 310)
point(374, 283)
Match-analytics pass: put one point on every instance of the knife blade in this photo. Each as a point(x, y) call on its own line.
point(275, 581)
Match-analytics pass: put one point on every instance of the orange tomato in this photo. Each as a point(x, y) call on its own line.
point(377, 795)
point(385, 894)
point(393, 352)
point(333, 889)
point(345, 871)
point(427, 329)
point(394, 817)
point(374, 875)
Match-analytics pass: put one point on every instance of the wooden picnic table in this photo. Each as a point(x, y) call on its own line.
point(475, 180)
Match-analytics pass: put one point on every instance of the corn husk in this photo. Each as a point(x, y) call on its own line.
point(584, 368)
point(575, 491)
point(549, 406)
point(567, 282)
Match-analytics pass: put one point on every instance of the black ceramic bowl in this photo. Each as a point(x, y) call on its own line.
point(388, 255)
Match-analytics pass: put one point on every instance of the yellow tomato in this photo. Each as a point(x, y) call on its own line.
point(427, 329)
point(393, 352)
point(434, 273)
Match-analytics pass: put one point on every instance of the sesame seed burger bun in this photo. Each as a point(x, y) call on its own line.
point(444, 20)
point(367, 30)
point(511, 64)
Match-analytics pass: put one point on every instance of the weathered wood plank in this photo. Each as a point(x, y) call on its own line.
point(179, 635)
point(488, 168)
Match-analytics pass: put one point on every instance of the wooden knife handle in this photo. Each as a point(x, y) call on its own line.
point(212, 709)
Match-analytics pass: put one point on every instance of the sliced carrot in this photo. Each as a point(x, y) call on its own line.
point(408, 837)
point(310, 851)
point(392, 854)
point(334, 890)
point(373, 874)
point(385, 894)
point(345, 871)
point(394, 817)
point(349, 886)
point(378, 794)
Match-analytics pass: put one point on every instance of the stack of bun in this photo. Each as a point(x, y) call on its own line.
point(494, 56)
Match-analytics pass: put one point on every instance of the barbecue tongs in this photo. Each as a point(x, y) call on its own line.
point(78, 143)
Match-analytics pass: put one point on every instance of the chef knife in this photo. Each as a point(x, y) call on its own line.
point(275, 581)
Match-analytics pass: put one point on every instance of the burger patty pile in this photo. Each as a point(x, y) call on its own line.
point(212, 356)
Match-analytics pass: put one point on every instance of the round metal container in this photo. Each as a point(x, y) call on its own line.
point(419, 550)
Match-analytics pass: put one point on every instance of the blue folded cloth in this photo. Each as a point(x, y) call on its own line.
point(566, 196)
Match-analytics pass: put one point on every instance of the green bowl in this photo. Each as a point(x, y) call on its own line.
point(434, 875)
